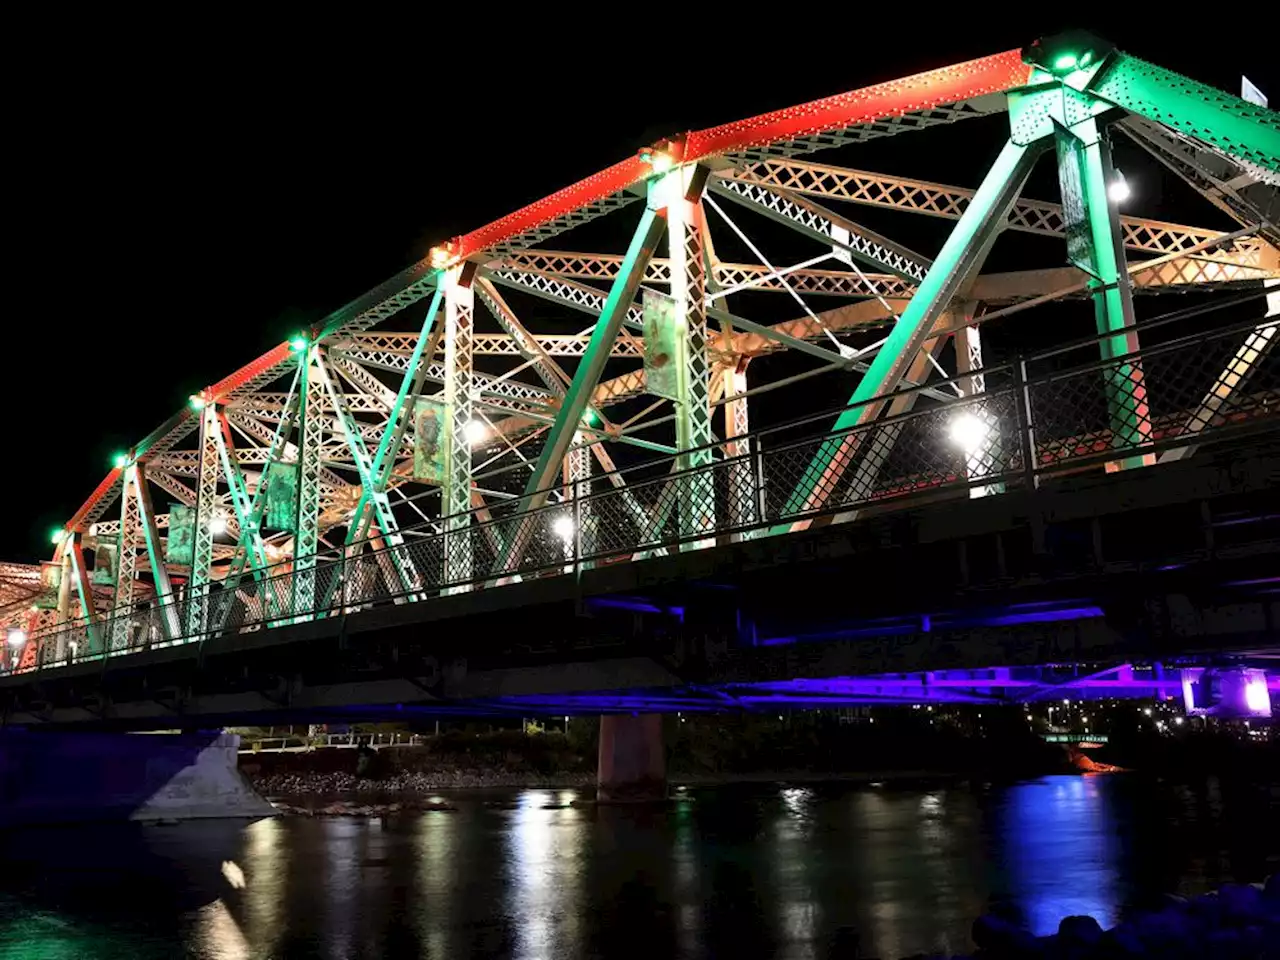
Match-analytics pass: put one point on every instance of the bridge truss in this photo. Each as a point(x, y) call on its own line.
point(597, 405)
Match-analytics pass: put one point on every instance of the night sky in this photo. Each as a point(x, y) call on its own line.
point(187, 194)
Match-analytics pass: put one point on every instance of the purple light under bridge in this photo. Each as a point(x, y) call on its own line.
point(992, 685)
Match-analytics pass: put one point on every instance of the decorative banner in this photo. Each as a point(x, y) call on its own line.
point(104, 562)
point(431, 434)
point(282, 495)
point(661, 346)
point(50, 582)
point(180, 547)
point(1075, 217)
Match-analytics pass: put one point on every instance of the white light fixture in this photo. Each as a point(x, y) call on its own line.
point(477, 432)
point(969, 432)
point(1118, 189)
point(562, 527)
point(17, 637)
point(217, 525)
point(1256, 696)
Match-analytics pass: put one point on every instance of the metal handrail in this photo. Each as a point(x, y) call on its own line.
point(509, 522)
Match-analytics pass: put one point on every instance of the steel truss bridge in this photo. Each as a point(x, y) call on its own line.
point(748, 240)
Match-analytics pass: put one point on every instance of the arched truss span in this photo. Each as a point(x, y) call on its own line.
point(746, 275)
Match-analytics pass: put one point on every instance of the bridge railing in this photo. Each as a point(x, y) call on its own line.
point(1008, 426)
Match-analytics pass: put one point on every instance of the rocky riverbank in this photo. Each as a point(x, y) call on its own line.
point(1236, 922)
point(405, 786)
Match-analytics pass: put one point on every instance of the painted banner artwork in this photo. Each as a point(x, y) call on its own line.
point(181, 542)
point(104, 562)
point(431, 432)
point(1075, 216)
point(661, 346)
point(282, 495)
point(50, 581)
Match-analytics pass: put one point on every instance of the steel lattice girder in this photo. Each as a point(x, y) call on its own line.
point(941, 200)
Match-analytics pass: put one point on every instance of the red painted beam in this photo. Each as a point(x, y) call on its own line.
point(894, 98)
point(596, 187)
point(934, 88)
point(218, 392)
point(101, 490)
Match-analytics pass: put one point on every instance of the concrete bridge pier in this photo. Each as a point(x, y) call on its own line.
point(633, 763)
point(69, 777)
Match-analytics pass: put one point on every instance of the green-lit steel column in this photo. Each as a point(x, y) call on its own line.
point(384, 459)
point(1084, 158)
point(74, 569)
point(621, 294)
point(403, 580)
point(242, 503)
point(169, 622)
point(576, 399)
point(961, 255)
point(251, 526)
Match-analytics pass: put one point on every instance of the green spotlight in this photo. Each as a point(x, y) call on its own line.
point(120, 461)
point(298, 344)
point(197, 402)
point(1068, 61)
point(58, 535)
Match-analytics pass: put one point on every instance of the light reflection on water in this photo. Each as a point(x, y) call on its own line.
point(1062, 856)
point(780, 871)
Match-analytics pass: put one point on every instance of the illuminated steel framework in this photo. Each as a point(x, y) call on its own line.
point(558, 433)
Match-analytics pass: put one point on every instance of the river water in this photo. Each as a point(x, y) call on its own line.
point(782, 870)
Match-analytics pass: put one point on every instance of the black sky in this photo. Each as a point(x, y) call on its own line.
point(184, 195)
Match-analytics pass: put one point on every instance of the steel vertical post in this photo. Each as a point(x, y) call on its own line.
point(683, 199)
point(206, 510)
point(306, 536)
point(987, 457)
point(577, 476)
point(737, 425)
point(1113, 300)
point(459, 343)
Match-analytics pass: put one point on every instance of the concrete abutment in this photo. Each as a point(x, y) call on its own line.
point(70, 777)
